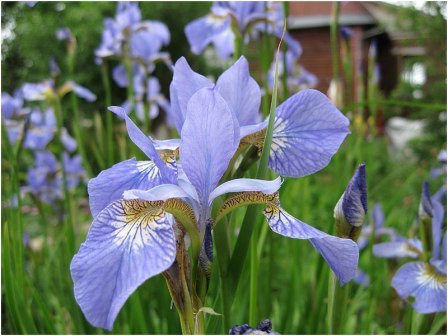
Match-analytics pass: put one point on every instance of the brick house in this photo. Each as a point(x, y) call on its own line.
point(309, 22)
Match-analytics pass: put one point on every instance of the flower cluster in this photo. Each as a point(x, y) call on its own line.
point(138, 206)
point(137, 44)
point(246, 19)
point(422, 283)
point(35, 128)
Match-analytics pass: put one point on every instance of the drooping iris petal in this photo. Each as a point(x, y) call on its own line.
point(202, 31)
point(82, 92)
point(224, 44)
point(340, 254)
point(308, 131)
point(244, 184)
point(144, 143)
point(241, 91)
point(422, 282)
point(110, 184)
point(361, 278)
point(68, 141)
point(398, 249)
point(210, 137)
point(128, 242)
point(185, 83)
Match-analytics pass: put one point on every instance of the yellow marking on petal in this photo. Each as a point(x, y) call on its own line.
point(247, 198)
point(142, 213)
point(431, 274)
point(256, 139)
point(181, 210)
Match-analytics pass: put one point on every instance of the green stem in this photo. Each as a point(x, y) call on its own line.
point(334, 39)
point(78, 136)
point(238, 45)
point(108, 102)
point(337, 304)
point(70, 235)
point(424, 238)
point(253, 302)
point(331, 297)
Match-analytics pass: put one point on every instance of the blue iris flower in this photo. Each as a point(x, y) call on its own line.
point(45, 179)
point(132, 239)
point(46, 89)
point(249, 18)
point(144, 38)
point(423, 281)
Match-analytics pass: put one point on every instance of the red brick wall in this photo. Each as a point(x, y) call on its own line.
point(311, 8)
point(316, 56)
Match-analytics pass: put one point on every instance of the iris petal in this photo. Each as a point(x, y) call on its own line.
point(398, 249)
point(421, 281)
point(128, 242)
point(185, 84)
point(241, 92)
point(110, 184)
point(244, 184)
point(308, 131)
point(210, 137)
point(437, 221)
point(202, 31)
point(340, 254)
point(144, 143)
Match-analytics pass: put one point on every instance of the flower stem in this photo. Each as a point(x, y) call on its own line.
point(337, 305)
point(108, 102)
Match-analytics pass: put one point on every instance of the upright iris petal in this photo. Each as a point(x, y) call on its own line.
point(204, 155)
point(185, 84)
point(241, 92)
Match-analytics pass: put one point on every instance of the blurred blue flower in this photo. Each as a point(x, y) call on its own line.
point(147, 92)
point(14, 115)
point(441, 157)
point(64, 34)
point(40, 130)
point(376, 224)
point(46, 90)
point(74, 170)
point(346, 32)
point(422, 283)
point(44, 179)
point(249, 18)
point(144, 39)
point(131, 238)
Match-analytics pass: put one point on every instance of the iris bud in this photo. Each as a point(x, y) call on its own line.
point(351, 208)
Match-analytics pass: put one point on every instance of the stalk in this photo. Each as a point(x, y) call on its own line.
point(108, 102)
